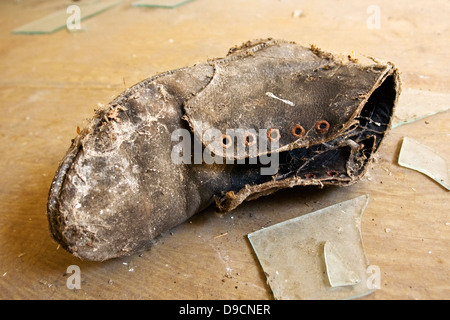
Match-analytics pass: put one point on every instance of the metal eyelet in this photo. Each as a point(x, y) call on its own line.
point(271, 137)
point(298, 131)
point(332, 173)
point(322, 126)
point(249, 142)
point(226, 141)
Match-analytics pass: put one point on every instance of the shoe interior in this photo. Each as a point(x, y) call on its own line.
point(340, 160)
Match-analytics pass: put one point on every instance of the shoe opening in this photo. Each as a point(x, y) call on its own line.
point(342, 159)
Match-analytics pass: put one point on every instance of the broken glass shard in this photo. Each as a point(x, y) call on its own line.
point(58, 20)
point(168, 4)
point(319, 255)
point(416, 156)
point(415, 104)
point(339, 272)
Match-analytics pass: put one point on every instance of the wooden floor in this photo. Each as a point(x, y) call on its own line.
point(50, 84)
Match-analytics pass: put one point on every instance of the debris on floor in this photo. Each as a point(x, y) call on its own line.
point(297, 13)
point(416, 156)
point(319, 255)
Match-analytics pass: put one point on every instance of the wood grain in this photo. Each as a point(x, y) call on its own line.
point(51, 83)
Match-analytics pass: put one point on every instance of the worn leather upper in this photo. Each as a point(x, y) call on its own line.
point(280, 85)
point(117, 188)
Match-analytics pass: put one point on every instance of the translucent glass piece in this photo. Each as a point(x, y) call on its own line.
point(416, 156)
point(58, 20)
point(168, 4)
point(415, 104)
point(339, 272)
point(292, 254)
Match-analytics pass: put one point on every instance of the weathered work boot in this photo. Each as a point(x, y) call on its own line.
point(270, 115)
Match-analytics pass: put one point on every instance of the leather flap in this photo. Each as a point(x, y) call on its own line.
point(273, 96)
